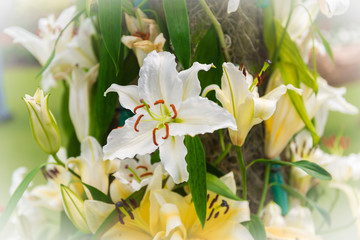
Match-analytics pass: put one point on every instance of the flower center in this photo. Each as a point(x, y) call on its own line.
point(143, 36)
point(216, 207)
point(164, 117)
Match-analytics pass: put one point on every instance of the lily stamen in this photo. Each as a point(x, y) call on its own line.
point(225, 204)
point(174, 110)
point(213, 201)
point(159, 101)
point(137, 122)
point(146, 174)
point(141, 166)
point(140, 106)
point(167, 131)
point(154, 136)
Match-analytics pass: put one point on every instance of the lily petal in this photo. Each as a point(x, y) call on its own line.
point(233, 5)
point(159, 79)
point(128, 95)
point(199, 115)
point(172, 155)
point(191, 83)
point(125, 142)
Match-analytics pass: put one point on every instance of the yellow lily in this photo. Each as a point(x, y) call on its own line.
point(164, 214)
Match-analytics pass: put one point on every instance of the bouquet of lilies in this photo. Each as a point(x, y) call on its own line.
point(139, 97)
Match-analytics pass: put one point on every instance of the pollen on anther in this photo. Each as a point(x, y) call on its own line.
point(211, 213)
point(167, 131)
point(213, 201)
point(143, 167)
point(137, 122)
point(159, 101)
point(146, 174)
point(174, 110)
point(154, 136)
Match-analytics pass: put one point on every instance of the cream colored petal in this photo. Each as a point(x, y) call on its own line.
point(289, 233)
point(96, 212)
point(159, 42)
point(233, 5)
point(130, 40)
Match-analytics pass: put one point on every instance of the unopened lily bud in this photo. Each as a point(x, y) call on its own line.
point(74, 208)
point(43, 123)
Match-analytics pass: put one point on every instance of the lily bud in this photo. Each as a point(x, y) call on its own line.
point(43, 123)
point(74, 208)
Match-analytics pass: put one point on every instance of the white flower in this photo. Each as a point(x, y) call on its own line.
point(333, 7)
point(233, 5)
point(94, 171)
point(80, 83)
point(145, 36)
point(42, 44)
point(297, 224)
point(167, 106)
point(286, 122)
point(79, 52)
point(239, 95)
point(133, 174)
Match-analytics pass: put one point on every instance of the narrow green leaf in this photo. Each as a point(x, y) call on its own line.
point(103, 107)
point(132, 69)
point(215, 185)
point(310, 168)
point(112, 219)
point(296, 194)
point(196, 161)
point(256, 227)
point(110, 16)
point(97, 194)
point(56, 42)
point(209, 51)
point(326, 44)
point(11, 205)
point(290, 76)
point(177, 21)
point(289, 53)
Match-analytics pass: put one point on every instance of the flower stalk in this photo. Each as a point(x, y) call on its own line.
point(218, 29)
point(242, 171)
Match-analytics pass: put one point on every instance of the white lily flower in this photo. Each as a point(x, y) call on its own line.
point(79, 53)
point(297, 224)
point(333, 7)
point(43, 124)
point(239, 95)
point(286, 122)
point(42, 44)
point(233, 5)
point(167, 106)
point(80, 83)
point(163, 214)
point(133, 174)
point(145, 36)
point(94, 171)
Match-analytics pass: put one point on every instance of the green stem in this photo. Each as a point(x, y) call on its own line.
point(218, 29)
point(58, 161)
point(265, 189)
point(242, 170)
point(223, 154)
point(221, 136)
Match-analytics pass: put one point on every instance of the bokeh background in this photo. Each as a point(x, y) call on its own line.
point(18, 77)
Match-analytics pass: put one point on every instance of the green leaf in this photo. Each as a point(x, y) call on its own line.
point(290, 76)
point(132, 69)
point(110, 16)
point(56, 42)
point(326, 44)
point(310, 168)
point(103, 107)
point(11, 205)
point(196, 161)
point(97, 194)
point(112, 219)
point(256, 227)
point(215, 185)
point(296, 194)
point(177, 21)
point(289, 53)
point(209, 51)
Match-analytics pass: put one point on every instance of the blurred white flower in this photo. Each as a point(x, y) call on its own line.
point(333, 7)
point(297, 224)
point(145, 36)
point(167, 106)
point(233, 5)
point(42, 44)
